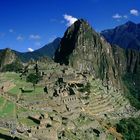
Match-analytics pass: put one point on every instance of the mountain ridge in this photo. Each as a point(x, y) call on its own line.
point(126, 35)
point(47, 51)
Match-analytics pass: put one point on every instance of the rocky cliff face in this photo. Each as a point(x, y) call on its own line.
point(126, 60)
point(85, 50)
point(133, 61)
point(7, 56)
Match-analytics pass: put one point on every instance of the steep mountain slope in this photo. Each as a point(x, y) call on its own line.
point(84, 49)
point(7, 56)
point(128, 64)
point(48, 50)
point(126, 35)
point(127, 60)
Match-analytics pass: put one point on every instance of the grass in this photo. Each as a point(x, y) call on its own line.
point(110, 137)
point(20, 110)
point(21, 84)
point(8, 110)
point(132, 91)
point(129, 128)
point(27, 122)
point(14, 90)
point(1, 101)
point(38, 90)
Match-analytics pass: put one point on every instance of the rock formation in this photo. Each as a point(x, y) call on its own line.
point(85, 50)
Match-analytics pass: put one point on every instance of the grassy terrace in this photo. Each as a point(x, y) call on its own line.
point(7, 110)
point(1, 102)
point(27, 122)
point(15, 91)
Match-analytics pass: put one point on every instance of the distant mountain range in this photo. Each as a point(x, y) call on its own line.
point(48, 50)
point(125, 36)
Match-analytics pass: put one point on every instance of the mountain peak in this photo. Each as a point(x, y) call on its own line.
point(130, 23)
point(81, 20)
point(7, 49)
point(7, 57)
point(83, 49)
point(125, 36)
point(76, 35)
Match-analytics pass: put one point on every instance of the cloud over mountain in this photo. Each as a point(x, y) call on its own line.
point(30, 50)
point(70, 19)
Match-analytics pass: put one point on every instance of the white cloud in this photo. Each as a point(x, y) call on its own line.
point(70, 19)
point(30, 50)
point(117, 16)
point(20, 38)
point(34, 37)
point(134, 12)
point(11, 30)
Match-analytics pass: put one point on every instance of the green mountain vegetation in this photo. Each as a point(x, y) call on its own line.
point(130, 128)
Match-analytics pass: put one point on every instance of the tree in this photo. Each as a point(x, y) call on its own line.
point(33, 78)
point(129, 128)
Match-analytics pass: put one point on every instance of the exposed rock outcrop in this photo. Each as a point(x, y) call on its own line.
point(7, 56)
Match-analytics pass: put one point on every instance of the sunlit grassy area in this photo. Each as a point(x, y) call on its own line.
point(21, 83)
point(1, 101)
point(7, 110)
point(27, 122)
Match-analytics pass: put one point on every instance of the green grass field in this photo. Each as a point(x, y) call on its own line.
point(7, 110)
point(21, 84)
point(1, 101)
point(27, 122)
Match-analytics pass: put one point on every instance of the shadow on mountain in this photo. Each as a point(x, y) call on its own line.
point(6, 137)
point(132, 83)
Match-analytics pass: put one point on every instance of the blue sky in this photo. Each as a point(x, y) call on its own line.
point(26, 25)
